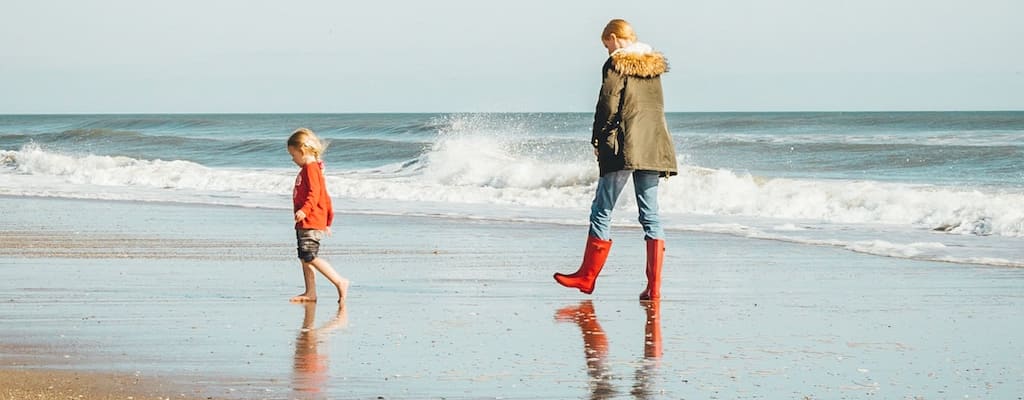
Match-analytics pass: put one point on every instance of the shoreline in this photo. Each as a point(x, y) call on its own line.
point(919, 248)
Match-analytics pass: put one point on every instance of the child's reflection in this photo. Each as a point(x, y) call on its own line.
point(595, 348)
point(310, 368)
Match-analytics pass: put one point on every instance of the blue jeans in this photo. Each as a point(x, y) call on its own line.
point(645, 184)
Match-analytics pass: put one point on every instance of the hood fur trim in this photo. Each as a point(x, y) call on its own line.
point(639, 60)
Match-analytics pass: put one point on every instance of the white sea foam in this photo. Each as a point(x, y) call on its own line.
point(898, 243)
point(479, 178)
point(106, 171)
point(490, 161)
point(722, 192)
point(483, 171)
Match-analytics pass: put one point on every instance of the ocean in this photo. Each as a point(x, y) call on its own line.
point(936, 186)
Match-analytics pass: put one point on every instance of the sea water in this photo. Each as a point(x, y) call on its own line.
point(939, 186)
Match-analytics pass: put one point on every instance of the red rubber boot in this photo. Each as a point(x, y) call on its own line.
point(594, 257)
point(655, 257)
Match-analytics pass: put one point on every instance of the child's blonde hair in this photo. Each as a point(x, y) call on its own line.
point(620, 28)
point(306, 141)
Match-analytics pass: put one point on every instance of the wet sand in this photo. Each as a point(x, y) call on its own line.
point(49, 384)
point(196, 299)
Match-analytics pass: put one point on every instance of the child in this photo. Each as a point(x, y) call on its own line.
point(313, 212)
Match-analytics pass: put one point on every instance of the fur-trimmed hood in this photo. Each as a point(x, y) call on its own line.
point(640, 60)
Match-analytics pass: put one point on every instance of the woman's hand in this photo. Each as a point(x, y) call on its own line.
point(299, 216)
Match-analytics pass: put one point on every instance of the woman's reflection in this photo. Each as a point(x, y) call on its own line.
point(595, 348)
point(310, 368)
point(645, 370)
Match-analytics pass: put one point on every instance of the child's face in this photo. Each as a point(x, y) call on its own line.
point(297, 156)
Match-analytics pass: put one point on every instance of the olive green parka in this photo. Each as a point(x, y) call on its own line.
point(630, 132)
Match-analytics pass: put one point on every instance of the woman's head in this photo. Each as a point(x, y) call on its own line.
point(617, 34)
point(304, 142)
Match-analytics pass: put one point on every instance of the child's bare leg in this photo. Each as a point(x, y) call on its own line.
point(325, 268)
point(310, 280)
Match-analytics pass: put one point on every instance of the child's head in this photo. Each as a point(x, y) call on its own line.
point(305, 142)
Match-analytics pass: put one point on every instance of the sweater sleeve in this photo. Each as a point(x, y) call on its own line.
point(315, 182)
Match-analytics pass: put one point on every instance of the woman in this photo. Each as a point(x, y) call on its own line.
point(630, 138)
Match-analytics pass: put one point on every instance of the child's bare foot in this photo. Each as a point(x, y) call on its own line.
point(342, 289)
point(304, 298)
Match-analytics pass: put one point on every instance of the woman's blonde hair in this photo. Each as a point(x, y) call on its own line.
point(306, 141)
point(620, 28)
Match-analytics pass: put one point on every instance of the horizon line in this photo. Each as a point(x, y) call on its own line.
point(499, 112)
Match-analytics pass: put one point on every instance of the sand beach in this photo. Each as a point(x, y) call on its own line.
point(111, 299)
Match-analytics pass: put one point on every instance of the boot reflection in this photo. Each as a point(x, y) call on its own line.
point(647, 368)
point(595, 347)
point(652, 331)
point(310, 366)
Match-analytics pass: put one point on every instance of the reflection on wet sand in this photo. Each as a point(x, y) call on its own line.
point(595, 349)
point(646, 369)
point(310, 368)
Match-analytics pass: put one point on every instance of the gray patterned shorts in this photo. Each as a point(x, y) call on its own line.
point(308, 243)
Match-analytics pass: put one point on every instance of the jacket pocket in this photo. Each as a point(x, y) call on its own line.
point(613, 141)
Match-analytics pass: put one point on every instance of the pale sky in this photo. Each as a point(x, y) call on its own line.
point(214, 56)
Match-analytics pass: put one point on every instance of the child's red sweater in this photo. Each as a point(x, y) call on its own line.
point(310, 196)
